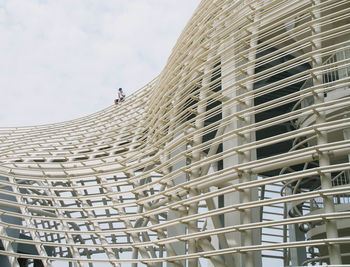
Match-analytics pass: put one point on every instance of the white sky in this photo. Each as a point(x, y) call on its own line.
point(63, 59)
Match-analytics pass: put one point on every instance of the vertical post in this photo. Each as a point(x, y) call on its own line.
point(326, 179)
point(196, 156)
point(298, 254)
point(346, 133)
point(179, 247)
point(9, 246)
point(230, 76)
point(248, 155)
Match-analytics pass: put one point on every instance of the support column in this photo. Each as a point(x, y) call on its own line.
point(230, 75)
point(298, 254)
point(204, 244)
point(347, 137)
point(326, 179)
point(7, 261)
point(179, 229)
point(196, 172)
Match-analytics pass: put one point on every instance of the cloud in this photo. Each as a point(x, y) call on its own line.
point(61, 60)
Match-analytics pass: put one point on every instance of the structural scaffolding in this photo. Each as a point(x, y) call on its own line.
point(237, 154)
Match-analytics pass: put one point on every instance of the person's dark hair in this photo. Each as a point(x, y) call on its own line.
point(120, 89)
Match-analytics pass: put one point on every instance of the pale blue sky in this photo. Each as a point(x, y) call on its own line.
point(61, 60)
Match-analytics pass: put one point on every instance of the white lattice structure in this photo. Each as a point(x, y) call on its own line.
point(237, 154)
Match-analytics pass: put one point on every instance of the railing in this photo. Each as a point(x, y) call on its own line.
point(301, 208)
point(329, 75)
point(343, 178)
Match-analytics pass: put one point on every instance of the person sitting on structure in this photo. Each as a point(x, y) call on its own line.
point(121, 96)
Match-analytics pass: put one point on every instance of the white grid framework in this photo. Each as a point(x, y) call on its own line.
point(237, 154)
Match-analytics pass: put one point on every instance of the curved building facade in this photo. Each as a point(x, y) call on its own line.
point(237, 154)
